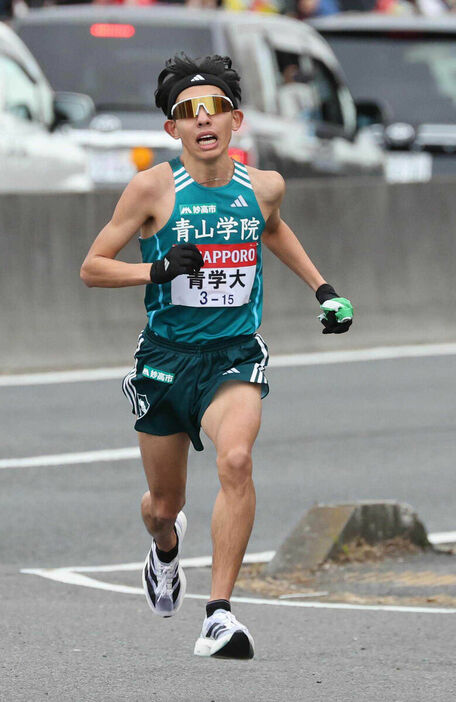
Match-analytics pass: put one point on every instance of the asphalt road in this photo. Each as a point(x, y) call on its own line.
point(383, 429)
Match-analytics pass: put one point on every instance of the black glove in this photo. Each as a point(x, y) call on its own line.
point(337, 315)
point(182, 258)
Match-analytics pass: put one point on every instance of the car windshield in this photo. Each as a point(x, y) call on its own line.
point(118, 72)
point(415, 76)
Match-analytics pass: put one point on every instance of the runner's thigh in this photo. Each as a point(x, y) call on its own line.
point(165, 462)
point(233, 418)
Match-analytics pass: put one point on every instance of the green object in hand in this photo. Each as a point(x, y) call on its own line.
point(337, 315)
point(342, 308)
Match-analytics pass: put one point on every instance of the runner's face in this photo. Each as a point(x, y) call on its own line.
point(190, 129)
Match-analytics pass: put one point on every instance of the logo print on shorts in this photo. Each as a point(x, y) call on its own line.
point(231, 370)
point(157, 374)
point(143, 405)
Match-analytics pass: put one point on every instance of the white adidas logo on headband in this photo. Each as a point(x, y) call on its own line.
point(198, 77)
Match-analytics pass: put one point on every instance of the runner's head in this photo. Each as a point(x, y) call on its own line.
point(211, 79)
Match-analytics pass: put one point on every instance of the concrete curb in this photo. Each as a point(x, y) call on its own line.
point(324, 529)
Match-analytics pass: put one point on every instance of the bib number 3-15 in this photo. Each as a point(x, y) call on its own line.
point(226, 280)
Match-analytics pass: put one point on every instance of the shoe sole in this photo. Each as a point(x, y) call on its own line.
point(238, 646)
point(182, 578)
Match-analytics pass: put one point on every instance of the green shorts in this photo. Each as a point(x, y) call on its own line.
point(172, 385)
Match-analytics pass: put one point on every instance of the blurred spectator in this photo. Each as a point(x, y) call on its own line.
point(203, 3)
point(395, 7)
point(305, 9)
point(296, 94)
point(357, 5)
point(252, 5)
point(110, 2)
point(431, 8)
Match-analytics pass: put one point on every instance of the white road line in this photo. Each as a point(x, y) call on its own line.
point(442, 537)
point(62, 459)
point(377, 353)
point(75, 376)
point(195, 562)
point(340, 605)
point(65, 575)
point(305, 359)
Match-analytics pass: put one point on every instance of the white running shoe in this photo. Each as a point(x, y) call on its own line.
point(222, 636)
point(165, 583)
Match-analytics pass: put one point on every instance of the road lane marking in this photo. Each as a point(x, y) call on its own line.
point(71, 577)
point(62, 459)
point(377, 353)
point(132, 452)
point(75, 376)
point(442, 537)
point(76, 575)
point(194, 562)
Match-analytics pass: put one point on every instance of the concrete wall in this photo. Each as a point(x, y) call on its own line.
point(391, 249)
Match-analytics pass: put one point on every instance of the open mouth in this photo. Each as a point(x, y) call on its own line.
point(207, 140)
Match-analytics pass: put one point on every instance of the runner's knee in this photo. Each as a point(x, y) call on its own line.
point(235, 468)
point(160, 509)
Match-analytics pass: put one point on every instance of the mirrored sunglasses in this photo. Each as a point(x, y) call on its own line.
point(213, 104)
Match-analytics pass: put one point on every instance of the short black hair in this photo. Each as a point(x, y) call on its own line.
point(181, 65)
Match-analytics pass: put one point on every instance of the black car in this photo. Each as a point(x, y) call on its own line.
point(404, 68)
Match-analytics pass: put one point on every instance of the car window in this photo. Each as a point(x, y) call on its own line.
point(413, 77)
point(20, 95)
point(329, 108)
point(307, 90)
point(297, 97)
point(116, 64)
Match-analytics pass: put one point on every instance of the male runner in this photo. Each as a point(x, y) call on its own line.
point(199, 361)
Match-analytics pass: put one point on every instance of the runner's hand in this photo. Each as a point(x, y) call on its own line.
point(337, 315)
point(182, 258)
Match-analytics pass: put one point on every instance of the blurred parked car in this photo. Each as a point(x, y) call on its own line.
point(33, 157)
point(299, 116)
point(406, 65)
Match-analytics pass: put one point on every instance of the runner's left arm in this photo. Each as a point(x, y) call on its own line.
point(337, 312)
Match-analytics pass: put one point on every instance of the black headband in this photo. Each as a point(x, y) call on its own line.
point(199, 79)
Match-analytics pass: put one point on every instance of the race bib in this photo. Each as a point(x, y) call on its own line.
point(226, 280)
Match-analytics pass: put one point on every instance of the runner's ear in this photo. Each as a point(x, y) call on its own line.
point(237, 117)
point(171, 129)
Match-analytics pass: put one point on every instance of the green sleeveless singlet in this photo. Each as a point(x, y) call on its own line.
point(225, 299)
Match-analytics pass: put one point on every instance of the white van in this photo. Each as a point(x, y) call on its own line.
point(302, 126)
point(34, 158)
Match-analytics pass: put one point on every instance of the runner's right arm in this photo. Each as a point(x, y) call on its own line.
point(100, 269)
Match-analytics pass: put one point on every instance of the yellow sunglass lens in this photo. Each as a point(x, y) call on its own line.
point(213, 104)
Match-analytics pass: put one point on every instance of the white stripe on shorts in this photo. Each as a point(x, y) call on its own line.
point(129, 390)
point(127, 386)
point(257, 373)
point(254, 373)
